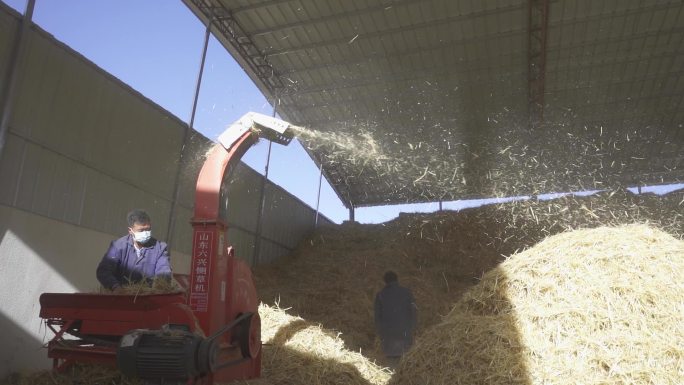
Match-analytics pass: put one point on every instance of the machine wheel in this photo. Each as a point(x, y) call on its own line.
point(248, 336)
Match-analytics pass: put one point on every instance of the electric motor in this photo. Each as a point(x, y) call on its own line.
point(169, 354)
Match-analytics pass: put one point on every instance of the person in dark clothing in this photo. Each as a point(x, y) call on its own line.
point(134, 257)
point(395, 318)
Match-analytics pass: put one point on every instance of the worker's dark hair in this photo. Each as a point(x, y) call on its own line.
point(390, 277)
point(138, 216)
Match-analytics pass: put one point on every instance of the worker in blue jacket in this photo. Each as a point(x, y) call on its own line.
point(134, 257)
point(395, 318)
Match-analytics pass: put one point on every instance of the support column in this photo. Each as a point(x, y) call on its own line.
point(538, 14)
point(186, 138)
point(351, 214)
point(318, 199)
point(262, 198)
point(9, 91)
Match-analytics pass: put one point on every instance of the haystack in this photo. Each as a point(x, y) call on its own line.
point(597, 306)
point(331, 278)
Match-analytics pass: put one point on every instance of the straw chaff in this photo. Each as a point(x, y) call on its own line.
point(144, 287)
point(599, 306)
point(298, 352)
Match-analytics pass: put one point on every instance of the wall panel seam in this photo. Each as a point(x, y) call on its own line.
point(84, 164)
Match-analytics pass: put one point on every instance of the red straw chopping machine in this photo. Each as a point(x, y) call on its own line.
point(211, 333)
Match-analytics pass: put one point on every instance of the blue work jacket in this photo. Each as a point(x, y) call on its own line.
point(120, 265)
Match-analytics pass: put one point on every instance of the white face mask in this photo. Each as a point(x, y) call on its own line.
point(142, 236)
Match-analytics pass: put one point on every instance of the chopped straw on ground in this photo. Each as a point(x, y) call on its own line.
point(599, 306)
point(298, 352)
point(75, 375)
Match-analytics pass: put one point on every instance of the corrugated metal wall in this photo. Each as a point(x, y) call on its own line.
point(82, 150)
point(286, 220)
point(8, 33)
point(82, 147)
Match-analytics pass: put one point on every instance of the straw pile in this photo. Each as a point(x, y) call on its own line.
point(156, 286)
point(332, 277)
point(300, 352)
point(600, 306)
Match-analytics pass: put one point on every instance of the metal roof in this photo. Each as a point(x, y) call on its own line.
point(426, 100)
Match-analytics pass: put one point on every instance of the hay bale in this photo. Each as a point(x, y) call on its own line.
point(599, 306)
point(300, 352)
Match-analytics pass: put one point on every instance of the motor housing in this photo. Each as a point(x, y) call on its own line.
point(167, 354)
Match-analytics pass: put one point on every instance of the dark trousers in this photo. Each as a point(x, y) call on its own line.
point(392, 362)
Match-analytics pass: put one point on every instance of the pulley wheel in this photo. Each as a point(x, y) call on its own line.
point(248, 336)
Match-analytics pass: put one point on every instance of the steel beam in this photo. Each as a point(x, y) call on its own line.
point(397, 30)
point(441, 45)
point(355, 13)
point(234, 38)
point(538, 22)
point(186, 137)
point(9, 91)
point(262, 196)
point(259, 4)
point(318, 199)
